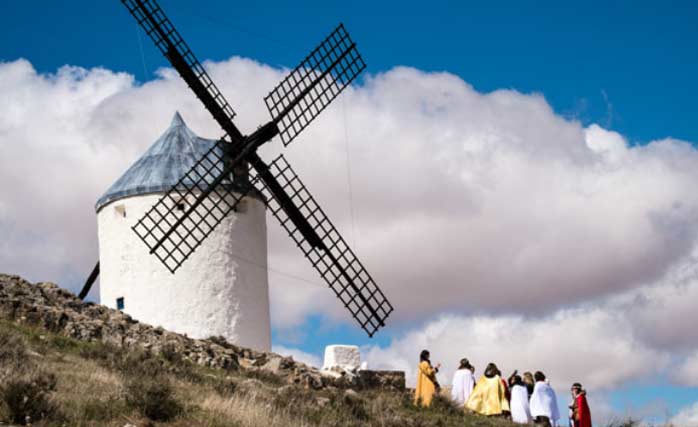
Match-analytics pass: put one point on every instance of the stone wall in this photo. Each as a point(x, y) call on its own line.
point(48, 306)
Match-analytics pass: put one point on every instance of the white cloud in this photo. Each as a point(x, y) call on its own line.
point(687, 372)
point(491, 201)
point(51, 168)
point(664, 312)
point(298, 355)
point(592, 346)
point(687, 417)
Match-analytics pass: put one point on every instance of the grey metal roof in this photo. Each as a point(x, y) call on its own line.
point(159, 168)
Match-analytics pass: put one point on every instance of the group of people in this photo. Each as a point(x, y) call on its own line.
point(523, 398)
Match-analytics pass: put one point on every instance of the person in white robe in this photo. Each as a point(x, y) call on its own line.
point(463, 383)
point(520, 410)
point(543, 402)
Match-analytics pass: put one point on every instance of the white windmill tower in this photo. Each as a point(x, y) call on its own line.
point(221, 290)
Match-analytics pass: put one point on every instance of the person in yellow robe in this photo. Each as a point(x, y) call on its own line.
point(427, 384)
point(489, 396)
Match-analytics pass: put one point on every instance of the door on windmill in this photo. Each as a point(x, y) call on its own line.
point(120, 303)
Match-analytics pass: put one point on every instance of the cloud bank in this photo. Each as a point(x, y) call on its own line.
point(495, 226)
point(570, 346)
point(687, 417)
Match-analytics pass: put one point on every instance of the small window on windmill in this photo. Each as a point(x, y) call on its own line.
point(120, 211)
point(120, 303)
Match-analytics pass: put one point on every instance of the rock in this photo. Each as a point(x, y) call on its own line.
point(32, 353)
point(284, 389)
point(391, 380)
point(246, 363)
point(277, 364)
point(314, 381)
point(273, 365)
point(322, 401)
point(332, 374)
point(48, 306)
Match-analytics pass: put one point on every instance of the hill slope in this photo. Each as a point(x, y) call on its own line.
point(66, 362)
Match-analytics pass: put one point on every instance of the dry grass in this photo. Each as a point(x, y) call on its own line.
point(245, 411)
point(92, 389)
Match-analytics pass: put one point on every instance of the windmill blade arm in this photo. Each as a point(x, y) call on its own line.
point(89, 282)
point(159, 28)
point(314, 83)
point(278, 194)
point(180, 221)
point(311, 230)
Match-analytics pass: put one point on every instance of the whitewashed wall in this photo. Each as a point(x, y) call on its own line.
point(213, 293)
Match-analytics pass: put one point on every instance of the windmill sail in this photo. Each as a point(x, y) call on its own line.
point(182, 219)
point(159, 28)
point(314, 83)
point(322, 244)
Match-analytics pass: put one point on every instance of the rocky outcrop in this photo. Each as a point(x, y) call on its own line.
point(55, 309)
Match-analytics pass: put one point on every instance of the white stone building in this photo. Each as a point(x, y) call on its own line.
point(340, 358)
point(222, 289)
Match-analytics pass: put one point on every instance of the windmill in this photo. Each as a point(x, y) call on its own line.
point(231, 169)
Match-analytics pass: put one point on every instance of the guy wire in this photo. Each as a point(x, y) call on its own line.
point(351, 192)
point(274, 270)
point(140, 45)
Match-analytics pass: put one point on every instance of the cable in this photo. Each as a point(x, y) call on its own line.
point(351, 192)
point(282, 273)
point(233, 26)
point(140, 45)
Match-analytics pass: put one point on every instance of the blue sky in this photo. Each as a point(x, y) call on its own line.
point(627, 66)
point(641, 55)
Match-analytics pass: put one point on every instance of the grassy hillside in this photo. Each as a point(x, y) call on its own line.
point(64, 362)
point(61, 381)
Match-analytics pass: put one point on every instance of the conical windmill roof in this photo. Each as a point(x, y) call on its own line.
point(159, 168)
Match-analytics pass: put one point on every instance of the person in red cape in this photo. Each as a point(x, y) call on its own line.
point(581, 415)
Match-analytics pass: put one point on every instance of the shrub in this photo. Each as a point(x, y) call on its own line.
point(104, 354)
point(355, 406)
point(133, 363)
point(264, 376)
point(170, 354)
point(407, 400)
point(103, 410)
point(293, 398)
point(147, 388)
point(625, 422)
point(140, 364)
point(225, 387)
point(13, 354)
point(444, 405)
point(173, 362)
point(136, 362)
point(63, 343)
point(28, 399)
point(153, 398)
